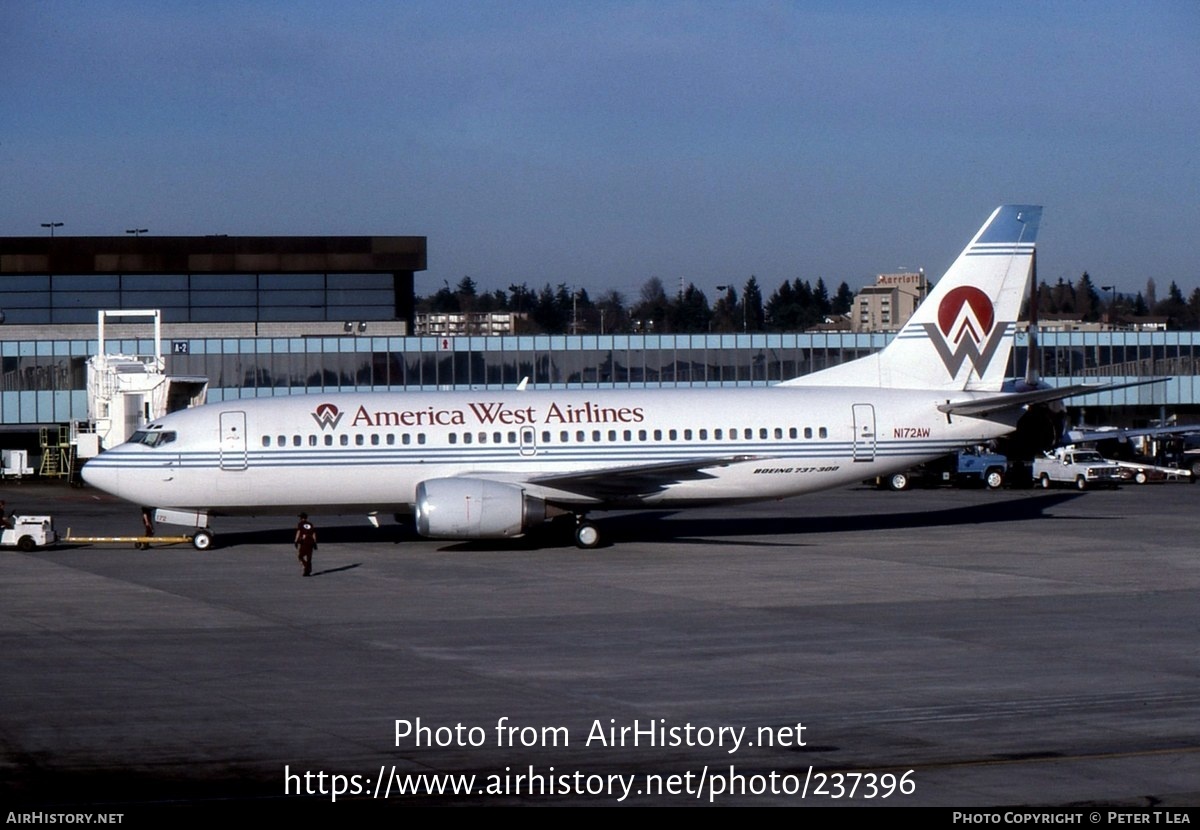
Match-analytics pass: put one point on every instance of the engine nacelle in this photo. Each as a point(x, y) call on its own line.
point(475, 508)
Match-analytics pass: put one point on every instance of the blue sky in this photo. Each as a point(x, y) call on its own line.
point(600, 143)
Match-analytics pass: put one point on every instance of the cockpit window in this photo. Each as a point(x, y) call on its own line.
point(152, 439)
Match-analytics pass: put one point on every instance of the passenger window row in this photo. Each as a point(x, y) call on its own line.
point(548, 437)
point(375, 439)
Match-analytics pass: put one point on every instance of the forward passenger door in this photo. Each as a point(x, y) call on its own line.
point(233, 440)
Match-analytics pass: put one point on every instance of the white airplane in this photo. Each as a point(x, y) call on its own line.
point(475, 465)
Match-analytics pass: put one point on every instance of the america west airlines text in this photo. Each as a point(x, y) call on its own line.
point(495, 412)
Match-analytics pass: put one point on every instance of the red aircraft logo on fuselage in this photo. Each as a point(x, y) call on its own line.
point(327, 416)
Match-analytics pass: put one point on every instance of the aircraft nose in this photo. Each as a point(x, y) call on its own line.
point(98, 475)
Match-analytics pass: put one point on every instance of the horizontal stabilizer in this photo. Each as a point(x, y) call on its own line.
point(979, 407)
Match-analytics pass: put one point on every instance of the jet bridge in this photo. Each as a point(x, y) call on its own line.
point(126, 392)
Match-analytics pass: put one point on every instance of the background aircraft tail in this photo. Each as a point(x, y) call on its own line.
point(961, 336)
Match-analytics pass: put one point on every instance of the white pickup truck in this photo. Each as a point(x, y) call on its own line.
point(28, 533)
point(1080, 468)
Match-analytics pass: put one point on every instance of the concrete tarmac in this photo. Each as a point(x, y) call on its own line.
point(950, 648)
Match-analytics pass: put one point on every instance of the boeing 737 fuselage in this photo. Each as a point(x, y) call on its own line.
point(495, 464)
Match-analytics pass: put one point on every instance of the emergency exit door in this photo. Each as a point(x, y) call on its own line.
point(233, 440)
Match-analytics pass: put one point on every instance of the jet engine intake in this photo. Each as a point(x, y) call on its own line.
point(475, 508)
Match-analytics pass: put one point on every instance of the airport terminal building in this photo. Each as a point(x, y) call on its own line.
point(211, 279)
point(261, 316)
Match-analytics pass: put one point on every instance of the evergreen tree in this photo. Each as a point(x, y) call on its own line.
point(1063, 297)
point(466, 287)
point(548, 314)
point(1193, 306)
point(492, 301)
point(752, 303)
point(1087, 300)
point(781, 311)
point(1045, 299)
point(521, 298)
point(445, 300)
point(691, 314)
point(466, 292)
point(843, 301)
point(796, 306)
point(726, 312)
point(1173, 308)
point(812, 309)
point(821, 299)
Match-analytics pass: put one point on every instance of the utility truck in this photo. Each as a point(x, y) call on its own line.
point(1076, 468)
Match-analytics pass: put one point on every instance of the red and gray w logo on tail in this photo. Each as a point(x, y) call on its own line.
point(966, 330)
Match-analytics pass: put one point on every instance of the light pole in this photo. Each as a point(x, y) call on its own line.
point(52, 226)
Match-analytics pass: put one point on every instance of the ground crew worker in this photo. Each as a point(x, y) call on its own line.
point(306, 543)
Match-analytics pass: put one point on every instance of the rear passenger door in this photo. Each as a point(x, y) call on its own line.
point(864, 432)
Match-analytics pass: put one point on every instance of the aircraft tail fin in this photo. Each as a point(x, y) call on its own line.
point(961, 335)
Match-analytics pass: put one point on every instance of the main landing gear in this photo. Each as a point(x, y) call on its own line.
point(586, 534)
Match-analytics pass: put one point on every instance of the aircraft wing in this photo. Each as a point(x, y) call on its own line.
point(640, 480)
point(1012, 400)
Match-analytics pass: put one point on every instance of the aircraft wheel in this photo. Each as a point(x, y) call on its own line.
point(897, 481)
point(141, 546)
point(994, 479)
point(586, 535)
point(202, 540)
point(1080, 483)
point(26, 544)
point(1140, 477)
